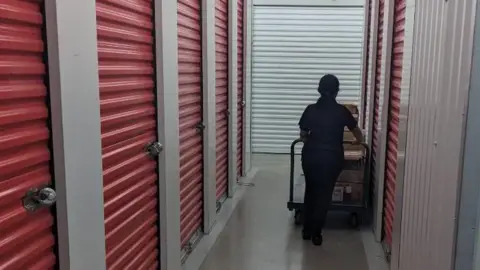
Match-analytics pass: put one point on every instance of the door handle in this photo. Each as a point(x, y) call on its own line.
point(200, 127)
point(154, 149)
point(36, 198)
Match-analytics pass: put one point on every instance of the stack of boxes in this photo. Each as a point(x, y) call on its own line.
point(347, 134)
point(349, 186)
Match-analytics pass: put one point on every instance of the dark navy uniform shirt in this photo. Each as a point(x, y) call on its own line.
point(325, 123)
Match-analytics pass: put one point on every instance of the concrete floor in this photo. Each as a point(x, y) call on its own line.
point(260, 234)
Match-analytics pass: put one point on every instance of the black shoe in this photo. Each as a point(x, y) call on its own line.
point(317, 240)
point(306, 236)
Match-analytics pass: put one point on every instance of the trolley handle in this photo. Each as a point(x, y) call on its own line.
point(292, 161)
point(292, 166)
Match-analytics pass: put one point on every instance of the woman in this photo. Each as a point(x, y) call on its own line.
point(321, 128)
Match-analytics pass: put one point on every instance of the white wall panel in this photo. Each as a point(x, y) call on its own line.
point(76, 140)
point(293, 47)
point(439, 91)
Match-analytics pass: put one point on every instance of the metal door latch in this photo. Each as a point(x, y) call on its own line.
point(154, 148)
point(36, 198)
point(200, 127)
point(219, 206)
point(189, 248)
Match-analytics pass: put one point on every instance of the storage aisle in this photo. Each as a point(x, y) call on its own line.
point(261, 235)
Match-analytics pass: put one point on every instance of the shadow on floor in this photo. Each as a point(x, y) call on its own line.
point(260, 234)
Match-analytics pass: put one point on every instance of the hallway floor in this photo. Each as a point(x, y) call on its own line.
point(260, 235)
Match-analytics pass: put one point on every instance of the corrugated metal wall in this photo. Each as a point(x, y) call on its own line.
point(393, 118)
point(240, 84)
point(128, 123)
point(439, 90)
point(221, 92)
point(292, 48)
point(190, 119)
point(27, 240)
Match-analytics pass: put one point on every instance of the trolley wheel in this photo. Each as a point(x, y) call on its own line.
point(354, 220)
point(298, 217)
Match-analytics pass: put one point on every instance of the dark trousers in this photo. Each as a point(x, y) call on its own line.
point(320, 178)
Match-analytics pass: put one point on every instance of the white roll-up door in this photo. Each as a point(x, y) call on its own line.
point(293, 47)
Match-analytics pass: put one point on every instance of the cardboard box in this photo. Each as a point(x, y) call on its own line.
point(354, 147)
point(352, 108)
point(353, 155)
point(351, 176)
point(348, 194)
point(348, 136)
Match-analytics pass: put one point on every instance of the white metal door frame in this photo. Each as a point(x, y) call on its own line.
point(365, 71)
point(209, 115)
point(247, 88)
point(232, 97)
point(73, 92)
point(372, 71)
point(167, 114)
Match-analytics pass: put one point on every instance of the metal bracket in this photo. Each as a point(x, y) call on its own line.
point(154, 149)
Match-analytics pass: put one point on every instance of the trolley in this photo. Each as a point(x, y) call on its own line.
point(351, 193)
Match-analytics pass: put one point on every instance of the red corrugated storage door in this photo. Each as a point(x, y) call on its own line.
point(190, 112)
point(240, 98)
point(394, 119)
point(376, 95)
point(27, 240)
point(128, 123)
point(221, 61)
